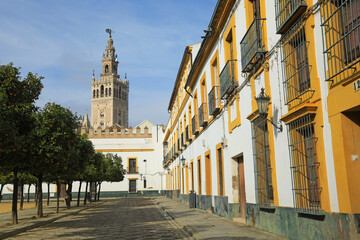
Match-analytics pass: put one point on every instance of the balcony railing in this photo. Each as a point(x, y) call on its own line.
point(252, 45)
point(287, 12)
point(183, 143)
point(213, 98)
point(227, 79)
point(195, 127)
point(203, 115)
point(179, 145)
point(187, 133)
point(176, 153)
point(133, 170)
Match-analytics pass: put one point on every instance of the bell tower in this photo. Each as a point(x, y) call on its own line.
point(109, 98)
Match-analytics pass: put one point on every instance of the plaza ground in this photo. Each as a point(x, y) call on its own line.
point(126, 218)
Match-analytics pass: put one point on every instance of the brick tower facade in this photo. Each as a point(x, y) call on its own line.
point(109, 98)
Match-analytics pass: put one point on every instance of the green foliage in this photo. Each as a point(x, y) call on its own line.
point(17, 97)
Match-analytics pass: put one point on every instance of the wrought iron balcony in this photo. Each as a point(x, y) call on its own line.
point(252, 45)
point(227, 79)
point(213, 98)
point(288, 12)
point(183, 143)
point(132, 170)
point(195, 127)
point(187, 133)
point(175, 151)
point(203, 115)
point(179, 145)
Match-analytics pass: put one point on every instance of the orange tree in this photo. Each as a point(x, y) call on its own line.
point(17, 97)
point(52, 142)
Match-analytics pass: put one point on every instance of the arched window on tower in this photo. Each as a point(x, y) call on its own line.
point(106, 68)
point(114, 69)
point(94, 94)
point(106, 90)
point(102, 91)
point(120, 92)
point(109, 92)
point(97, 93)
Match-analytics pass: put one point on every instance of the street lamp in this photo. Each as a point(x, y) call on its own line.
point(262, 101)
point(182, 162)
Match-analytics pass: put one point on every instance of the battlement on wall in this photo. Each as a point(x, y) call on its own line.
point(117, 132)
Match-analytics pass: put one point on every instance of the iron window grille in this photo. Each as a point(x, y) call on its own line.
point(296, 68)
point(287, 12)
point(165, 150)
point(179, 144)
point(194, 124)
point(203, 114)
point(227, 79)
point(304, 165)
point(252, 45)
point(187, 134)
point(213, 98)
point(263, 170)
point(176, 153)
point(183, 143)
point(341, 27)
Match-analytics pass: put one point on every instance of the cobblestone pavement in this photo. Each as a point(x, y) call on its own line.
point(125, 218)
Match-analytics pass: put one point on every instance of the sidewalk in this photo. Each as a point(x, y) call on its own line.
point(27, 218)
point(204, 225)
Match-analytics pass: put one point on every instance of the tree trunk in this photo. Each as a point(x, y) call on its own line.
point(78, 200)
point(99, 191)
point(90, 198)
point(57, 195)
point(39, 197)
point(21, 196)
point(28, 196)
point(48, 195)
point(95, 197)
point(14, 198)
point(86, 193)
point(36, 200)
point(1, 189)
point(68, 195)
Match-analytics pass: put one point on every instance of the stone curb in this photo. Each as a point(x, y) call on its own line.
point(52, 217)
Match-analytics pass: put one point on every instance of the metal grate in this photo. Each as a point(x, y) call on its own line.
point(304, 165)
point(194, 124)
point(295, 62)
point(213, 97)
point(227, 79)
point(341, 27)
point(287, 12)
point(187, 134)
point(252, 45)
point(263, 169)
point(203, 114)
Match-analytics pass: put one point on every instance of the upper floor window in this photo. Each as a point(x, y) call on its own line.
point(106, 68)
point(102, 91)
point(341, 23)
point(295, 62)
point(94, 94)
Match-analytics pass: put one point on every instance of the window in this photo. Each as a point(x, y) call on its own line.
point(101, 115)
point(102, 91)
point(94, 94)
point(341, 23)
point(203, 118)
point(220, 168)
point(304, 164)
point(106, 92)
point(199, 175)
point(106, 68)
point(263, 176)
point(97, 93)
point(295, 62)
point(120, 93)
point(109, 92)
point(132, 167)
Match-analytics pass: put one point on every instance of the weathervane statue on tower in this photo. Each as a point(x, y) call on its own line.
point(109, 31)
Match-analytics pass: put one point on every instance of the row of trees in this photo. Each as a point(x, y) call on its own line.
point(44, 143)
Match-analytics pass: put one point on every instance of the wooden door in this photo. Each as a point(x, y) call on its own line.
point(132, 186)
point(242, 195)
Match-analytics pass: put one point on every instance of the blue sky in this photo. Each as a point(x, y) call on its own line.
point(63, 41)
